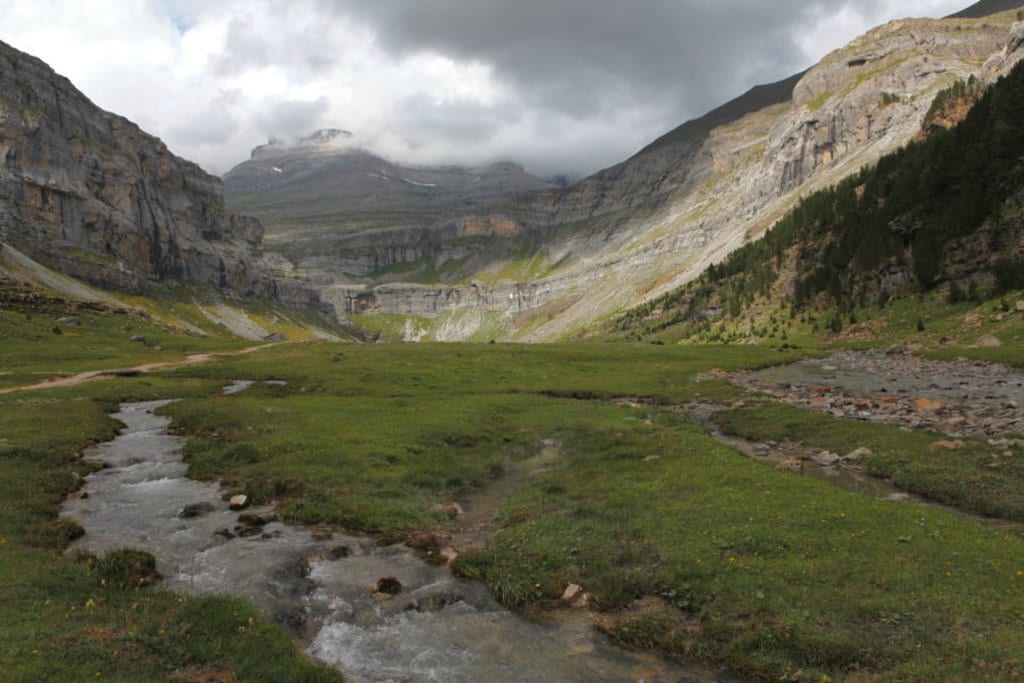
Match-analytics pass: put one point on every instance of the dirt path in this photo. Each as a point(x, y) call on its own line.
point(89, 375)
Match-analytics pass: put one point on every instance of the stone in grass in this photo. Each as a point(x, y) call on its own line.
point(939, 446)
point(239, 502)
point(388, 585)
point(137, 338)
point(862, 452)
point(572, 591)
point(450, 509)
point(826, 459)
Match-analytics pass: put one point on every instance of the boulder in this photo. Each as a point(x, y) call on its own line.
point(69, 320)
point(239, 502)
point(927, 405)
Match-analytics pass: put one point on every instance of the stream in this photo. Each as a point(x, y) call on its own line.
point(321, 586)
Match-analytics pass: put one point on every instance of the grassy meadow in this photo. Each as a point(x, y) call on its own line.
point(686, 545)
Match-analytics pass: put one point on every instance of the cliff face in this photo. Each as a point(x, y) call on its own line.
point(90, 194)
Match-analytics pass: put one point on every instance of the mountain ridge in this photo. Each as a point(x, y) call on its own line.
point(646, 225)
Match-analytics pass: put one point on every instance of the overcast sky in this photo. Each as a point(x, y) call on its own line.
point(562, 86)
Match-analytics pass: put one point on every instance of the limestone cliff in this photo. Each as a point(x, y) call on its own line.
point(91, 195)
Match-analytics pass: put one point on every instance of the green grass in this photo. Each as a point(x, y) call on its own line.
point(769, 574)
point(772, 575)
point(962, 478)
point(34, 346)
point(59, 620)
point(372, 437)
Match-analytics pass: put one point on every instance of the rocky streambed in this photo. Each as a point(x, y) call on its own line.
point(377, 611)
point(961, 398)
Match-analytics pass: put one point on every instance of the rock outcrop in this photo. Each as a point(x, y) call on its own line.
point(91, 195)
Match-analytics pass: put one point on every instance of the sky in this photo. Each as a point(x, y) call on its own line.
point(564, 87)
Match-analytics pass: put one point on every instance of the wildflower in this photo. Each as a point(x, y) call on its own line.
point(90, 603)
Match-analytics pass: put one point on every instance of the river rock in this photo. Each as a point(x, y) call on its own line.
point(1020, 307)
point(224, 532)
point(388, 585)
point(250, 519)
point(196, 510)
point(339, 552)
point(239, 502)
point(448, 554)
point(69, 320)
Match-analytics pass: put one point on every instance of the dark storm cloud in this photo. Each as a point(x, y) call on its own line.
point(251, 42)
point(582, 57)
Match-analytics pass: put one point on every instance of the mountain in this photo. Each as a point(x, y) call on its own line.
point(547, 264)
point(88, 194)
point(326, 179)
point(942, 216)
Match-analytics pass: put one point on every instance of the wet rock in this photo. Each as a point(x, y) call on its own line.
point(84, 495)
point(761, 449)
point(572, 591)
point(239, 502)
point(339, 552)
point(250, 519)
point(388, 585)
point(247, 531)
point(196, 510)
point(321, 533)
point(448, 554)
point(224, 532)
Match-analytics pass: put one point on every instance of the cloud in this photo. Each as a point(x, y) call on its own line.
point(564, 86)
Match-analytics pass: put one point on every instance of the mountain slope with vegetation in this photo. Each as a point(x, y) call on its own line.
point(944, 215)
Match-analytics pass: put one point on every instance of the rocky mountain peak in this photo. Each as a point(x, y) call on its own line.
point(324, 140)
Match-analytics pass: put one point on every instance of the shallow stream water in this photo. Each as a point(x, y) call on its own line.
point(438, 628)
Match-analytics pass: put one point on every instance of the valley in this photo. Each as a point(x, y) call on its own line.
point(746, 406)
